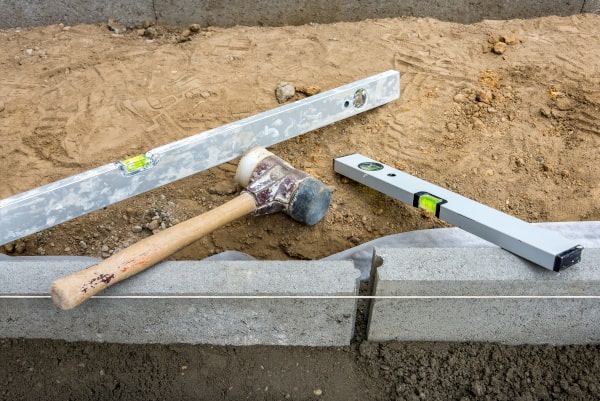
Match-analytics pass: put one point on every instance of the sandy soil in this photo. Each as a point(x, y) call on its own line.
point(506, 112)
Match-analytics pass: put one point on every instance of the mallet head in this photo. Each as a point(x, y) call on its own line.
point(277, 186)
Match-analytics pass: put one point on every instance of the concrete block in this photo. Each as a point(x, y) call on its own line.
point(24, 13)
point(591, 6)
point(482, 295)
point(276, 13)
point(272, 12)
point(188, 302)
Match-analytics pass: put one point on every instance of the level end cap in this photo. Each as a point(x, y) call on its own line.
point(567, 258)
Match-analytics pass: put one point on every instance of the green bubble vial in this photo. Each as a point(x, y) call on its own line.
point(430, 203)
point(137, 164)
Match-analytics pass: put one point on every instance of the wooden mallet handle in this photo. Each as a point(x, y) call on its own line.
point(69, 291)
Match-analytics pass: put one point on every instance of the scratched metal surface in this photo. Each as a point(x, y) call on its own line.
point(63, 200)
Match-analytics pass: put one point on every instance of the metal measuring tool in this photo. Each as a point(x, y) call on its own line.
point(545, 248)
point(74, 196)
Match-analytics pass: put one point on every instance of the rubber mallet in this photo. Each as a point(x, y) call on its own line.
point(271, 185)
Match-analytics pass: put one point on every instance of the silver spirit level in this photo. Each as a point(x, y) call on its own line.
point(63, 200)
point(535, 244)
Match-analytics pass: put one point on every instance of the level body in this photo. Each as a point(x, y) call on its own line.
point(543, 247)
point(63, 200)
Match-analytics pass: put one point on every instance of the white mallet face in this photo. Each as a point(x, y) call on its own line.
point(248, 163)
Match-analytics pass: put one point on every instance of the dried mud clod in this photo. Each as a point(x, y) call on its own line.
point(498, 44)
point(308, 90)
point(187, 33)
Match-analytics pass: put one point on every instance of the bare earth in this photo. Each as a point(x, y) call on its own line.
point(505, 112)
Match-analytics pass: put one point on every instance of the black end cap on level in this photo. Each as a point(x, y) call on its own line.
point(567, 258)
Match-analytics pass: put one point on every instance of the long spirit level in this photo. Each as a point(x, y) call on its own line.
point(535, 244)
point(63, 200)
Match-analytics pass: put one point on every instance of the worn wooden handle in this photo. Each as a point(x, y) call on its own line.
point(69, 291)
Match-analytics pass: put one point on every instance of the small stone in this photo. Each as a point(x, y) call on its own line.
point(116, 26)
point(104, 248)
point(186, 32)
point(484, 96)
point(2, 106)
point(451, 127)
point(345, 180)
point(136, 229)
point(68, 249)
point(153, 225)
point(519, 162)
point(489, 172)
point(318, 392)
point(499, 47)
point(151, 33)
point(547, 167)
point(9, 248)
point(194, 28)
point(565, 173)
point(83, 244)
point(284, 92)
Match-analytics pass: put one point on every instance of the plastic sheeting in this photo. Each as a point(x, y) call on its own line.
point(586, 233)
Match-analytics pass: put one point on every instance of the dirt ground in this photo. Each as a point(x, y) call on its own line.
point(505, 112)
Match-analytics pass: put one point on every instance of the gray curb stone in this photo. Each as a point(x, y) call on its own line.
point(482, 295)
point(21, 13)
point(187, 302)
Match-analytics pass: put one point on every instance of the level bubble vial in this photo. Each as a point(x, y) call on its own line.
point(359, 98)
point(137, 164)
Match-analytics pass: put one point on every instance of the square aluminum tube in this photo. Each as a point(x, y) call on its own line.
point(535, 244)
point(74, 196)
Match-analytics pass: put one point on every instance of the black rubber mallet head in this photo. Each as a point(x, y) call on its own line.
point(279, 187)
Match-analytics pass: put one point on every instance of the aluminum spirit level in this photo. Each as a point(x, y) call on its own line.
point(63, 200)
point(535, 244)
